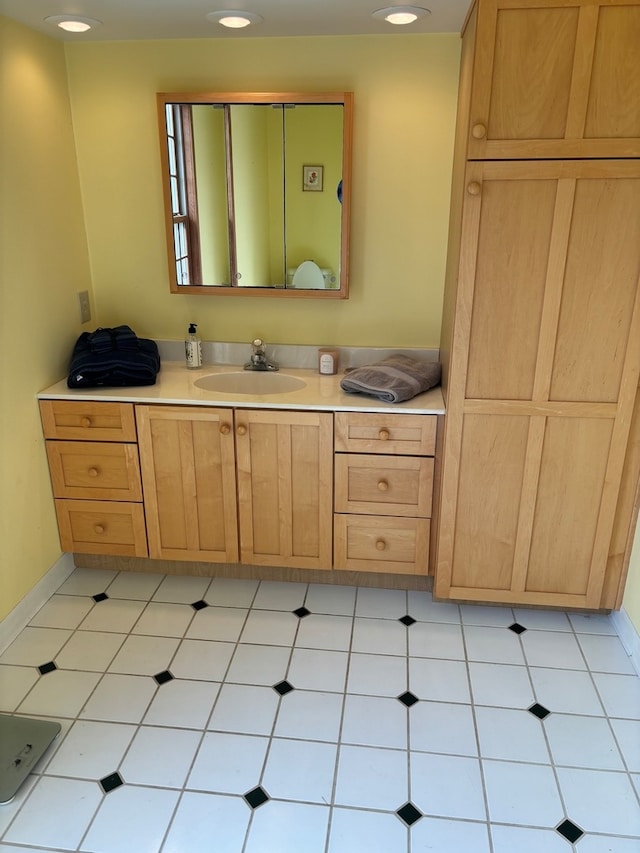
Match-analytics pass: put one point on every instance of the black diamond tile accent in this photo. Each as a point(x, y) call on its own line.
point(301, 612)
point(163, 677)
point(283, 687)
point(408, 699)
point(539, 711)
point(517, 629)
point(409, 814)
point(256, 797)
point(111, 782)
point(407, 620)
point(100, 596)
point(199, 605)
point(570, 831)
point(44, 668)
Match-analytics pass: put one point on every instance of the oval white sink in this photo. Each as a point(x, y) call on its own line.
point(250, 382)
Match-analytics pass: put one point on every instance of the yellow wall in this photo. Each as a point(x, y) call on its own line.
point(43, 262)
point(631, 602)
point(405, 99)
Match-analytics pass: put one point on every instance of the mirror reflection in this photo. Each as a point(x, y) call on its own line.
point(257, 193)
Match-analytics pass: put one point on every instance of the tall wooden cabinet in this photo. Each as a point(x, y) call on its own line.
point(541, 328)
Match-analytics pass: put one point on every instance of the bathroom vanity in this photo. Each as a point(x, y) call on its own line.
point(278, 484)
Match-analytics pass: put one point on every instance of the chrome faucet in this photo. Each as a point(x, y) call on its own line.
point(258, 360)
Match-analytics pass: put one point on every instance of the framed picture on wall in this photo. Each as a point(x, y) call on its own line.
point(312, 179)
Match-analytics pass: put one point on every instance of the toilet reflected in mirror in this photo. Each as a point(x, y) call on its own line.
point(309, 276)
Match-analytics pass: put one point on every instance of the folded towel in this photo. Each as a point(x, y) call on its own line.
point(396, 378)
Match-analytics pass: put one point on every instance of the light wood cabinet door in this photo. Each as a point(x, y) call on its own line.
point(285, 485)
point(553, 78)
point(542, 378)
point(188, 477)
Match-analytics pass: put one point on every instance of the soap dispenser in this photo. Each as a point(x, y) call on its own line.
point(193, 347)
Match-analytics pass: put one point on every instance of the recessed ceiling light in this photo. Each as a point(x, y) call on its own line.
point(234, 19)
point(401, 14)
point(73, 23)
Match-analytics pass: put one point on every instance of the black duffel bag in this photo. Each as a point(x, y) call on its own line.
point(113, 357)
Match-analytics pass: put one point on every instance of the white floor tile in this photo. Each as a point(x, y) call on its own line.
point(379, 636)
point(511, 735)
point(436, 640)
point(542, 620)
point(582, 742)
point(87, 582)
point(134, 585)
point(608, 844)
point(507, 839)
point(331, 600)
point(479, 614)
point(439, 680)
point(181, 703)
point(524, 794)
point(442, 727)
point(120, 698)
point(627, 734)
point(217, 623)
point(605, 654)
point(371, 778)
point(381, 603)
point(91, 750)
point(34, 646)
point(374, 832)
point(160, 756)
point(228, 763)
point(15, 683)
point(253, 664)
point(200, 818)
point(270, 627)
point(620, 694)
point(566, 691)
point(55, 814)
point(231, 592)
point(300, 770)
point(181, 589)
point(59, 694)
point(447, 786)
point(202, 660)
point(492, 645)
point(131, 818)
point(320, 631)
point(287, 824)
point(592, 623)
point(91, 651)
point(310, 715)
point(63, 611)
point(600, 801)
point(374, 721)
point(317, 669)
point(272, 595)
point(161, 619)
point(500, 685)
point(377, 675)
point(243, 708)
point(438, 835)
point(552, 649)
point(423, 608)
point(113, 614)
point(140, 655)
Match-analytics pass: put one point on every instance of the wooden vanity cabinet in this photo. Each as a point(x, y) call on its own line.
point(553, 79)
point(95, 476)
point(383, 492)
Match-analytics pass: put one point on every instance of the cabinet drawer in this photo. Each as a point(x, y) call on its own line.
point(383, 485)
point(87, 421)
point(95, 470)
point(102, 527)
point(381, 544)
point(385, 433)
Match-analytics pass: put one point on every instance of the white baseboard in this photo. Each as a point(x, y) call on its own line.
point(629, 636)
point(24, 612)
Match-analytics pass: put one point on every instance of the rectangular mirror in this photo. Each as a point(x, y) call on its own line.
point(257, 191)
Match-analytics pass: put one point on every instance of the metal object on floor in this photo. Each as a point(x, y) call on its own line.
point(23, 741)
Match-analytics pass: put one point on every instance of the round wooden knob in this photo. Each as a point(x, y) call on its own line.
point(242, 430)
point(478, 131)
point(383, 435)
point(474, 188)
point(380, 544)
point(93, 472)
point(383, 485)
point(85, 422)
point(98, 528)
point(225, 429)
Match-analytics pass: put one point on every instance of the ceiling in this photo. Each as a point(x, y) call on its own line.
point(185, 19)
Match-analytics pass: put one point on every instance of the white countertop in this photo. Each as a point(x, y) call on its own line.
point(175, 384)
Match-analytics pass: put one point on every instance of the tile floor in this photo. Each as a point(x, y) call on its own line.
point(243, 717)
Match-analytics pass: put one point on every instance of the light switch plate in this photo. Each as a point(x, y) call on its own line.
point(85, 306)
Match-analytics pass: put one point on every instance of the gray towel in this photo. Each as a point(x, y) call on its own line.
point(396, 378)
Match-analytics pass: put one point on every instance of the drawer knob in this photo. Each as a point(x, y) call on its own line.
point(98, 528)
point(474, 188)
point(242, 430)
point(93, 472)
point(85, 422)
point(478, 131)
point(383, 486)
point(225, 429)
point(384, 434)
point(380, 544)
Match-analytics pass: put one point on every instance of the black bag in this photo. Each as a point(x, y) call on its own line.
point(113, 357)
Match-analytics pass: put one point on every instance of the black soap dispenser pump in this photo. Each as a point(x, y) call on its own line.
point(193, 347)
